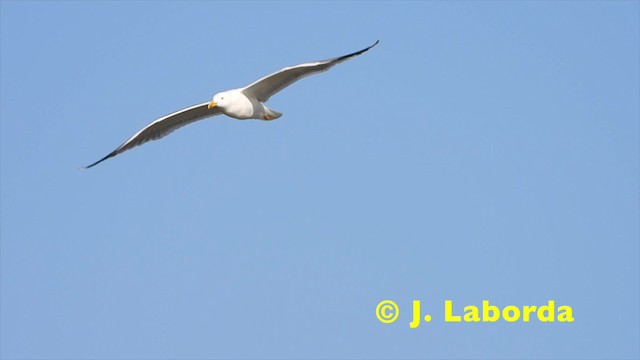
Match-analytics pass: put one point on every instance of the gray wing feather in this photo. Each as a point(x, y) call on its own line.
point(163, 127)
point(269, 85)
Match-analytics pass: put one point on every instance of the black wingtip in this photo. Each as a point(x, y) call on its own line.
point(112, 154)
point(370, 46)
point(345, 57)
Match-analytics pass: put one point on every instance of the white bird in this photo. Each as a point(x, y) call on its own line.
point(242, 103)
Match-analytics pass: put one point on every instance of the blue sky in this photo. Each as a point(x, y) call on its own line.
point(482, 151)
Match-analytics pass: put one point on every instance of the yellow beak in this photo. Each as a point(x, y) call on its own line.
point(212, 104)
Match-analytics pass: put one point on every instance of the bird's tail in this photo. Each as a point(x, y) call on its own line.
point(271, 114)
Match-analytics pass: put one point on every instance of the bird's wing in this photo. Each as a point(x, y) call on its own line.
point(163, 126)
point(264, 88)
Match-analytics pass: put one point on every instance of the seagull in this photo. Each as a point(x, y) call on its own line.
point(242, 103)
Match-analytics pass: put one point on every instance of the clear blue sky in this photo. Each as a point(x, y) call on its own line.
point(483, 150)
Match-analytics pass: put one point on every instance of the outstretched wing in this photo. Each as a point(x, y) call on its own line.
point(264, 88)
point(163, 126)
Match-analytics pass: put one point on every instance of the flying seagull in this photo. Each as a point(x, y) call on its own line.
point(243, 103)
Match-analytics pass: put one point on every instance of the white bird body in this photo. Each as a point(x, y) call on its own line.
point(234, 103)
point(241, 103)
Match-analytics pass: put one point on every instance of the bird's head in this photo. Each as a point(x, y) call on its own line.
point(219, 100)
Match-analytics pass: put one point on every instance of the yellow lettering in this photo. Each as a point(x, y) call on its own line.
point(566, 314)
point(510, 313)
point(471, 314)
point(527, 311)
point(448, 312)
point(511, 317)
point(416, 314)
point(549, 310)
point(490, 313)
